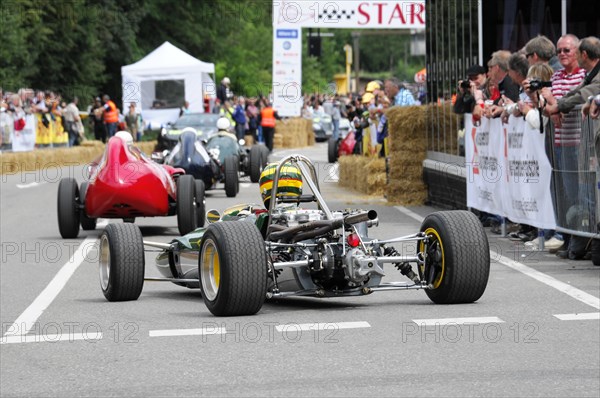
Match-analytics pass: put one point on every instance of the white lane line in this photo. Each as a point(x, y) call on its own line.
point(579, 317)
point(187, 332)
point(565, 288)
point(245, 185)
point(26, 321)
point(410, 213)
point(457, 321)
point(30, 185)
point(50, 338)
point(295, 327)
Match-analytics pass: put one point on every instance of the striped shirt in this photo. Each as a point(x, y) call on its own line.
point(562, 82)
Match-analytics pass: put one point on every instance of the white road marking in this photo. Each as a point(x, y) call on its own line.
point(187, 332)
point(579, 317)
point(565, 288)
point(245, 185)
point(26, 321)
point(457, 321)
point(30, 185)
point(295, 327)
point(50, 338)
point(410, 213)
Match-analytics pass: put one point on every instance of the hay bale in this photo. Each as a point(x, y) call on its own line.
point(363, 174)
point(407, 150)
point(294, 133)
point(15, 162)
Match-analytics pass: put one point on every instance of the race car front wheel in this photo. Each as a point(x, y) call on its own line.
point(68, 208)
point(258, 160)
point(332, 150)
point(457, 257)
point(233, 268)
point(87, 223)
point(122, 262)
point(231, 176)
point(200, 203)
point(187, 208)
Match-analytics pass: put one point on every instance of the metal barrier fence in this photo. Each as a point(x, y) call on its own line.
point(574, 183)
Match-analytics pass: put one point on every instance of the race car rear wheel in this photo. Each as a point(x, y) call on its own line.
point(68, 208)
point(233, 268)
point(187, 217)
point(332, 150)
point(457, 257)
point(231, 176)
point(257, 163)
point(121, 262)
point(200, 203)
point(87, 223)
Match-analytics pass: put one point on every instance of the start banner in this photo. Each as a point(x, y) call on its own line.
point(508, 172)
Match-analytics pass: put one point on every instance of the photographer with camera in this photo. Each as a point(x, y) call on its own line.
point(537, 87)
point(470, 96)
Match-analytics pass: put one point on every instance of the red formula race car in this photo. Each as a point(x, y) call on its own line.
point(126, 184)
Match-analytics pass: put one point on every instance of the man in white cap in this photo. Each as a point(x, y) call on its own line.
point(224, 93)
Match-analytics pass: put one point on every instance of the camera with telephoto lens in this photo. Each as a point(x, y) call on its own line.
point(536, 84)
point(465, 84)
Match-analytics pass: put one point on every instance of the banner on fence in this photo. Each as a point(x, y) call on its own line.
point(24, 140)
point(508, 171)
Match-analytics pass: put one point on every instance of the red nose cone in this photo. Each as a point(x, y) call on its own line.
point(353, 240)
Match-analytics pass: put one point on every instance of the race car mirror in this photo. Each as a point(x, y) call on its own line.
point(212, 216)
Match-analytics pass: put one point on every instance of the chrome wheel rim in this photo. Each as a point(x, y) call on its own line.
point(210, 270)
point(104, 262)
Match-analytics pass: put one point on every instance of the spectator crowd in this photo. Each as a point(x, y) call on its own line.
point(542, 82)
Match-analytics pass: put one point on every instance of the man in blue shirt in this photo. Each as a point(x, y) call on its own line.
point(398, 92)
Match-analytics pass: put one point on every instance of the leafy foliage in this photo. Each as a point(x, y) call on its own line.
point(78, 47)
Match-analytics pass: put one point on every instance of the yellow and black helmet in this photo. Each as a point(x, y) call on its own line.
point(289, 184)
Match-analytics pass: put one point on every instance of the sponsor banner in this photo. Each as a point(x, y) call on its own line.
point(287, 71)
point(508, 171)
point(24, 140)
point(350, 14)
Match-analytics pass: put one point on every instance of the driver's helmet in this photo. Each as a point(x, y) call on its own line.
point(125, 136)
point(289, 184)
point(223, 124)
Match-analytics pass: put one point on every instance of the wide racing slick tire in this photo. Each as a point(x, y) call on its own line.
point(256, 162)
point(68, 208)
point(87, 223)
point(457, 263)
point(200, 203)
point(122, 262)
point(233, 268)
point(332, 150)
point(231, 176)
point(595, 251)
point(187, 208)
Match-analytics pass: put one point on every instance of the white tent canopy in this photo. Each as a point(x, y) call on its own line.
point(166, 64)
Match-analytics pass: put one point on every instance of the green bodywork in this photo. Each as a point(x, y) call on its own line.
point(246, 213)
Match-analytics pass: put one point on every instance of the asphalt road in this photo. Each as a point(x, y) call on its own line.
point(535, 331)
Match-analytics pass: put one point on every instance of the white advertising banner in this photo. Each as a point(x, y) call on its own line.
point(287, 71)
point(24, 140)
point(289, 17)
point(350, 14)
point(508, 171)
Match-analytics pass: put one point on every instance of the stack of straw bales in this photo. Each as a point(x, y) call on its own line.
point(363, 174)
point(14, 162)
point(408, 149)
point(293, 133)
